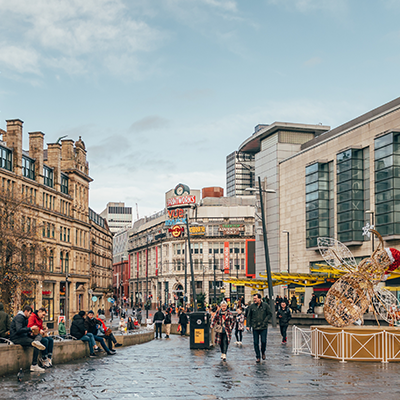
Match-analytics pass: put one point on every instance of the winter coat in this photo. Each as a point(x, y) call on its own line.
point(258, 316)
point(78, 326)
point(293, 302)
point(5, 321)
point(167, 319)
point(283, 316)
point(229, 323)
point(35, 320)
point(61, 329)
point(19, 327)
point(183, 319)
point(91, 325)
point(158, 317)
point(239, 322)
point(131, 325)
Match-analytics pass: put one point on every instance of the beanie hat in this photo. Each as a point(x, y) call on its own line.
point(81, 313)
point(394, 256)
point(90, 312)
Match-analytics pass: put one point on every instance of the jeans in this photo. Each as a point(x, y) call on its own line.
point(239, 335)
point(256, 338)
point(102, 343)
point(224, 343)
point(49, 343)
point(283, 331)
point(27, 341)
point(158, 328)
point(183, 330)
point(110, 340)
point(90, 339)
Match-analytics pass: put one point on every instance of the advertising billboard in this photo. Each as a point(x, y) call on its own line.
point(251, 258)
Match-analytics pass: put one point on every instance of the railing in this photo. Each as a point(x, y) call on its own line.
point(345, 346)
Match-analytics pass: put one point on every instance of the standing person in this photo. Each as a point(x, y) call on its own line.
point(293, 304)
point(5, 323)
point(257, 318)
point(158, 320)
point(312, 303)
point(239, 327)
point(167, 323)
point(183, 321)
point(139, 315)
point(21, 334)
point(223, 322)
point(36, 319)
point(284, 316)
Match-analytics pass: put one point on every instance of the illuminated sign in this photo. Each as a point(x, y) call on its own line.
point(176, 231)
point(172, 222)
point(197, 230)
point(231, 229)
point(181, 200)
point(177, 213)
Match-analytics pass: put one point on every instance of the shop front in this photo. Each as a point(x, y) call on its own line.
point(48, 302)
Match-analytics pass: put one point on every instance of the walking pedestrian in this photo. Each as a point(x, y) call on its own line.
point(293, 304)
point(258, 316)
point(239, 327)
point(167, 323)
point(284, 316)
point(157, 321)
point(223, 322)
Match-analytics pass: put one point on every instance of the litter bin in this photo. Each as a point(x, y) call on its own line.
point(199, 330)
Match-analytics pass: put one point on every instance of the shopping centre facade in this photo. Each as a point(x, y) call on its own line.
point(222, 242)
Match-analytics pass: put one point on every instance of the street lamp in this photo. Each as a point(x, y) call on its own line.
point(288, 251)
point(215, 283)
point(372, 227)
point(191, 264)
point(267, 263)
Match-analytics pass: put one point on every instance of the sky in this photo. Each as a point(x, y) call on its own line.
point(161, 91)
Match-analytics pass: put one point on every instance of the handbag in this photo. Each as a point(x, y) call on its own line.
point(218, 328)
point(179, 328)
point(108, 332)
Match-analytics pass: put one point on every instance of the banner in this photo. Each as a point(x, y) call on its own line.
point(156, 260)
point(226, 257)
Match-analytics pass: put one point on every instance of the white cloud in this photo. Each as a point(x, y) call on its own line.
point(313, 61)
point(19, 59)
point(305, 6)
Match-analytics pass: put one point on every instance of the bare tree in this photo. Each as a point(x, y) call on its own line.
point(21, 249)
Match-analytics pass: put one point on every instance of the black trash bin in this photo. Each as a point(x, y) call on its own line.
point(199, 330)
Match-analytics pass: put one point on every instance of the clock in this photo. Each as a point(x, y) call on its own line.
point(181, 189)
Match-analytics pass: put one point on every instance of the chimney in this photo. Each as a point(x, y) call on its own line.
point(13, 139)
point(36, 140)
point(67, 155)
point(54, 161)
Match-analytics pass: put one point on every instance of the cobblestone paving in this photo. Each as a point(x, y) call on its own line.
point(168, 369)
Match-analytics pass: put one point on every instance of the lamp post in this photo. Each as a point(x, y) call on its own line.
point(288, 251)
point(372, 224)
point(266, 252)
point(191, 265)
point(215, 283)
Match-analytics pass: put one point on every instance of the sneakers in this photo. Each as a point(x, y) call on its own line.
point(38, 345)
point(111, 352)
point(36, 368)
point(240, 344)
point(223, 356)
point(118, 345)
point(93, 355)
point(237, 343)
point(48, 363)
point(263, 356)
point(258, 361)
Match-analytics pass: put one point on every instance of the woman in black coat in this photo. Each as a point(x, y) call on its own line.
point(284, 316)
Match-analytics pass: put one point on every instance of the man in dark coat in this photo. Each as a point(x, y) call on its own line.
point(79, 331)
point(92, 325)
point(167, 322)
point(158, 320)
point(183, 321)
point(5, 323)
point(258, 316)
point(24, 336)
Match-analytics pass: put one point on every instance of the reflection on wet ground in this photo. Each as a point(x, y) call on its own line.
point(168, 369)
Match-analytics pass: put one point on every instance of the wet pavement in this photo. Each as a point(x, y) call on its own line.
point(168, 369)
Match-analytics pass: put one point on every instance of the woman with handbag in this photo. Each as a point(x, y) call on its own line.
point(223, 322)
point(106, 333)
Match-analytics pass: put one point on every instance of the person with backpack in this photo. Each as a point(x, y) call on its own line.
point(283, 316)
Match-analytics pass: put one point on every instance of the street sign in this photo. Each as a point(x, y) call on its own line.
point(94, 299)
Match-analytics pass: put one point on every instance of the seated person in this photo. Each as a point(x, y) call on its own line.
point(130, 324)
point(21, 334)
point(36, 319)
point(62, 331)
point(102, 333)
point(79, 332)
point(92, 325)
point(5, 323)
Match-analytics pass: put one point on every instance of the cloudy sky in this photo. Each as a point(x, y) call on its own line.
point(162, 90)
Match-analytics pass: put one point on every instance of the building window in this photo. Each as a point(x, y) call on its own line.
point(64, 183)
point(48, 176)
point(61, 262)
point(317, 203)
point(66, 262)
point(28, 167)
point(387, 184)
point(350, 195)
point(51, 261)
point(5, 158)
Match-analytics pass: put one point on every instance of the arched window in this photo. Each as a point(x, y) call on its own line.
point(61, 261)
point(51, 261)
point(66, 262)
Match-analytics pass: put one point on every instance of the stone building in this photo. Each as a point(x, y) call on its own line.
point(222, 244)
point(54, 187)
